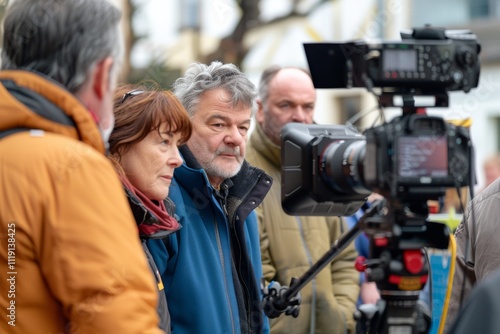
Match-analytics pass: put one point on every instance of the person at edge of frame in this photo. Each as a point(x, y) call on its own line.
point(69, 240)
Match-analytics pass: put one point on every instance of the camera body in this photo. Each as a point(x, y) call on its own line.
point(331, 169)
point(449, 64)
point(416, 157)
point(427, 61)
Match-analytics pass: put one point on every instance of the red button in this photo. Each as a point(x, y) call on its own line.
point(413, 261)
point(394, 279)
point(359, 264)
point(380, 241)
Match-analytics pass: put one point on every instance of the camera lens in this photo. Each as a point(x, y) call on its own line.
point(342, 166)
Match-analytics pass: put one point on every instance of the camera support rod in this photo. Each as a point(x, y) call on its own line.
point(387, 99)
point(274, 304)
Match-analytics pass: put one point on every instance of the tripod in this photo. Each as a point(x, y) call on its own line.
point(398, 232)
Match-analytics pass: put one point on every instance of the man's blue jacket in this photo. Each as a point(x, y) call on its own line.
point(211, 267)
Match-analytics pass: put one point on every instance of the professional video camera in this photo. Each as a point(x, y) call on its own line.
point(330, 170)
point(413, 156)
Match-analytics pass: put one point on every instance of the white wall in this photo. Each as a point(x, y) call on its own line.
point(482, 105)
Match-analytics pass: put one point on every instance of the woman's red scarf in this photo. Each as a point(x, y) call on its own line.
point(164, 221)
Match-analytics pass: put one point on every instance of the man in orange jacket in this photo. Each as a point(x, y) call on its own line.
point(70, 258)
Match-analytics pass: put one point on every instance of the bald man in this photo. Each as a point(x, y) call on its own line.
point(291, 245)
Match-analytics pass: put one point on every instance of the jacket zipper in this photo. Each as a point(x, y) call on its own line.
point(221, 255)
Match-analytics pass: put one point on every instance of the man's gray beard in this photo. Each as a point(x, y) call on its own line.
point(216, 171)
point(213, 170)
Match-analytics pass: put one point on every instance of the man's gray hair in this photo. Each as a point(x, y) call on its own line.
point(200, 78)
point(63, 39)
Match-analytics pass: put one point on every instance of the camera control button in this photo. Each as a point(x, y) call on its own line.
point(413, 261)
point(457, 76)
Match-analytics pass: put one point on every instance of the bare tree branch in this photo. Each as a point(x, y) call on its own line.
point(231, 48)
point(129, 10)
point(295, 13)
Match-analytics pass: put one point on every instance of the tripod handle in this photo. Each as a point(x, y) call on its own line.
point(274, 302)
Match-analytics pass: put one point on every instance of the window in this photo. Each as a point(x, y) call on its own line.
point(444, 13)
point(480, 8)
point(190, 14)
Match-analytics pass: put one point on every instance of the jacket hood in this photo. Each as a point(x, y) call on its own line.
point(40, 92)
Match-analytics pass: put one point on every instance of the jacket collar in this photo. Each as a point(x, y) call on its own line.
point(249, 180)
point(14, 114)
point(265, 146)
point(190, 174)
point(143, 215)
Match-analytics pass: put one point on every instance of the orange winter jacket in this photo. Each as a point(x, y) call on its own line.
point(70, 256)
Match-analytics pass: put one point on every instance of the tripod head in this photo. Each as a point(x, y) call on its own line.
point(398, 233)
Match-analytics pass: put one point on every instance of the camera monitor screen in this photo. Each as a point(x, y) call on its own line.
point(423, 156)
point(399, 60)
